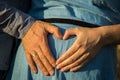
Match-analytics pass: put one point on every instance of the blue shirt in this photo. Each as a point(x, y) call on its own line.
point(101, 12)
point(92, 11)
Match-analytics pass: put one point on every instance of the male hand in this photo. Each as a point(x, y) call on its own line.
point(36, 47)
point(86, 46)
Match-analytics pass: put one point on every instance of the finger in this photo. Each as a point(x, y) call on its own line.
point(45, 62)
point(54, 30)
point(71, 59)
point(82, 64)
point(57, 33)
point(40, 65)
point(75, 68)
point(68, 33)
point(76, 63)
point(46, 51)
point(79, 66)
point(31, 63)
point(69, 52)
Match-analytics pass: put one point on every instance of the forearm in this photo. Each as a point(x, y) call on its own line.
point(110, 34)
point(13, 21)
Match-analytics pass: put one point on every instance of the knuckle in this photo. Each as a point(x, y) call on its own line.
point(41, 39)
point(40, 55)
point(72, 59)
point(77, 63)
point(44, 59)
point(57, 29)
point(45, 62)
point(36, 60)
point(67, 67)
point(30, 64)
point(76, 46)
point(46, 51)
point(50, 69)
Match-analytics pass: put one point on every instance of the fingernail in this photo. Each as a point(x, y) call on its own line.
point(71, 70)
point(52, 73)
point(63, 38)
point(62, 70)
point(58, 67)
point(54, 65)
point(35, 71)
point(57, 62)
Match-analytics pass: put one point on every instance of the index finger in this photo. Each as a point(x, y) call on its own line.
point(69, 52)
point(46, 51)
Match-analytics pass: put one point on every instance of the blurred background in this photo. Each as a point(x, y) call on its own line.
point(118, 65)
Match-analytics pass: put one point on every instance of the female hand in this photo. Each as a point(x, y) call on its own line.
point(36, 47)
point(84, 49)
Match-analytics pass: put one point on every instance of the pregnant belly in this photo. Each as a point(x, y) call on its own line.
point(57, 46)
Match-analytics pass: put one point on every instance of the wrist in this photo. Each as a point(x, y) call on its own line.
point(106, 37)
point(104, 34)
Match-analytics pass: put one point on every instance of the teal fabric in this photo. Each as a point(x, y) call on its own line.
point(92, 11)
point(100, 12)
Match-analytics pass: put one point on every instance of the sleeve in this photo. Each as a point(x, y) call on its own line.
point(14, 22)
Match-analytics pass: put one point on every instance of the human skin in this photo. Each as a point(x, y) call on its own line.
point(37, 49)
point(89, 41)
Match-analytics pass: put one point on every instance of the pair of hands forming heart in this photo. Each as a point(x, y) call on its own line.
point(37, 51)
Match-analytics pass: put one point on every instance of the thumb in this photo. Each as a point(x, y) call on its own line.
point(69, 32)
point(55, 31)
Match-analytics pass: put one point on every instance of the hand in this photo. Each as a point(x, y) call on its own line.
point(36, 47)
point(84, 49)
